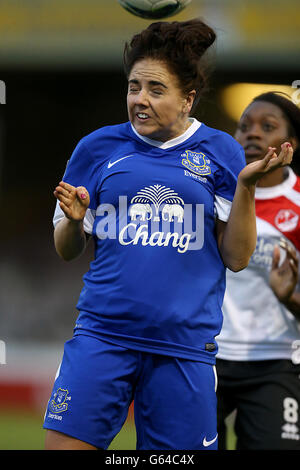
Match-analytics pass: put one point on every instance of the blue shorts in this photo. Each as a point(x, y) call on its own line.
point(174, 399)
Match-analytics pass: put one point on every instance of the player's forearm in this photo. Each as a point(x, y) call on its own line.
point(69, 238)
point(239, 239)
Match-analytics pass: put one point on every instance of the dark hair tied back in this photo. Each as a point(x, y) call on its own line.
point(180, 45)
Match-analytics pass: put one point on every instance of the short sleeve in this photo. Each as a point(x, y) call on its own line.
point(222, 208)
point(88, 221)
point(225, 183)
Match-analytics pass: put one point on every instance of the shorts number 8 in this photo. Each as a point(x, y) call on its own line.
point(290, 412)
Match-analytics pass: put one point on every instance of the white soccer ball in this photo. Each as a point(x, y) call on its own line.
point(154, 9)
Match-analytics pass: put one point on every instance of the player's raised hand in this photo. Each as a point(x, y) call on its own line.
point(284, 277)
point(73, 201)
point(255, 170)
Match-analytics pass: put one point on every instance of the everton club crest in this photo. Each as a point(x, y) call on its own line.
point(58, 404)
point(196, 162)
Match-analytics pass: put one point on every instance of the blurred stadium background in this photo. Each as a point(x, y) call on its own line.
point(61, 77)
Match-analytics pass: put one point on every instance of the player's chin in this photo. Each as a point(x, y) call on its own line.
point(253, 158)
point(144, 128)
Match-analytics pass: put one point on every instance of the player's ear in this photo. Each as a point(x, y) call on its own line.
point(188, 101)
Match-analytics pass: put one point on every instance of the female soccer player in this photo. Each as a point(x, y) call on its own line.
point(156, 195)
point(258, 361)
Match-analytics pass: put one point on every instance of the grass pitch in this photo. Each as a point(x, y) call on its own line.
point(21, 430)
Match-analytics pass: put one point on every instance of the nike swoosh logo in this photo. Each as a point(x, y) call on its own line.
point(113, 163)
point(209, 443)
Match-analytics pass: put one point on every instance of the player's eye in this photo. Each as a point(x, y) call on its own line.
point(157, 91)
point(243, 127)
point(268, 127)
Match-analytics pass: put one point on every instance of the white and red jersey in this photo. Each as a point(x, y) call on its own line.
point(256, 325)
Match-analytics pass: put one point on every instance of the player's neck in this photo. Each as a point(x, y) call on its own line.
point(273, 179)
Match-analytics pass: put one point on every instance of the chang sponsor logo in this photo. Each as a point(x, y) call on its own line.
point(181, 242)
point(157, 216)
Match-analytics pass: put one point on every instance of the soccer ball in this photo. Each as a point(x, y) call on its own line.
point(154, 9)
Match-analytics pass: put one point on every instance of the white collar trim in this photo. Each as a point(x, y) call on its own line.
point(177, 140)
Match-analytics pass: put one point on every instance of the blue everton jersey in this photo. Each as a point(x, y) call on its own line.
point(157, 280)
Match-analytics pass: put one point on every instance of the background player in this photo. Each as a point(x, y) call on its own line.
point(258, 361)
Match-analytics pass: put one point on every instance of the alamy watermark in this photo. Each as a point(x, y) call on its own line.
point(2, 352)
point(2, 92)
point(159, 224)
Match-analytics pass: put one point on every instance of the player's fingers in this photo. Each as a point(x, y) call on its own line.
point(289, 156)
point(293, 261)
point(286, 154)
point(65, 208)
point(269, 155)
point(276, 257)
point(294, 267)
point(67, 200)
point(59, 190)
point(272, 160)
point(291, 257)
point(68, 187)
point(289, 249)
point(83, 194)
